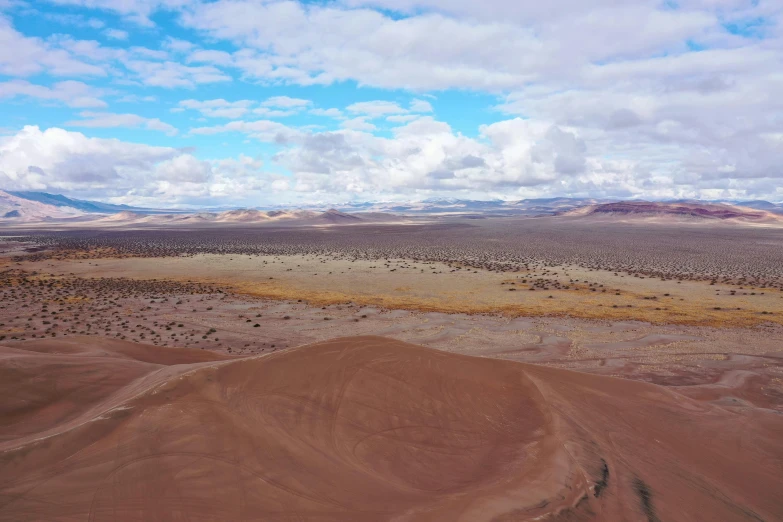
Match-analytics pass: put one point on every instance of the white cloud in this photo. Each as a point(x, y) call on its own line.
point(376, 109)
point(264, 130)
point(609, 107)
point(329, 113)
point(281, 185)
point(359, 124)
point(137, 11)
point(218, 108)
point(108, 119)
point(315, 44)
point(220, 58)
point(62, 161)
point(24, 56)
point(89, 50)
point(286, 102)
point(134, 98)
point(274, 113)
point(71, 93)
point(402, 118)
point(228, 112)
point(421, 106)
point(172, 74)
point(70, 20)
point(152, 54)
point(116, 34)
point(184, 169)
point(276, 107)
point(178, 46)
point(512, 158)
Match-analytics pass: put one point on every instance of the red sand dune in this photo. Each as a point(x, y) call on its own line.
point(364, 429)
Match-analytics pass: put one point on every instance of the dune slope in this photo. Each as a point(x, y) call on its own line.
point(366, 428)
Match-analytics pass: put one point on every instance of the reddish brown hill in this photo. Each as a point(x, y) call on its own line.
point(626, 210)
point(366, 429)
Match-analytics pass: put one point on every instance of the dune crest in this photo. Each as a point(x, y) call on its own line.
point(369, 428)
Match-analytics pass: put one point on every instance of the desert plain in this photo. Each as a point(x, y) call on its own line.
point(452, 368)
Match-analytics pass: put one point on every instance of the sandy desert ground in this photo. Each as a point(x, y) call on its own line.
point(365, 428)
point(453, 371)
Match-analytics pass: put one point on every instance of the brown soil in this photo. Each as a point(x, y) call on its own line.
point(369, 428)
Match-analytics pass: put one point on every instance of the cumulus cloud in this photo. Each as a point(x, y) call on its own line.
point(513, 158)
point(63, 56)
point(500, 45)
point(63, 161)
point(359, 123)
point(25, 56)
point(427, 156)
point(593, 98)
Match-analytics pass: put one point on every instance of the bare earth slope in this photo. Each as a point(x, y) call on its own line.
point(51, 385)
point(367, 428)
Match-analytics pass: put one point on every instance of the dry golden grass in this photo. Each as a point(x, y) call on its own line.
point(367, 283)
point(565, 303)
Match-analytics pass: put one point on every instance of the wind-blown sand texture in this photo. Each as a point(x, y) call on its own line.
point(365, 428)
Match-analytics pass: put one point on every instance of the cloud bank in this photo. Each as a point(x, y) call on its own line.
point(403, 99)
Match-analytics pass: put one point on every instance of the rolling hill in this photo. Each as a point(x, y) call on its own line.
point(363, 429)
point(680, 212)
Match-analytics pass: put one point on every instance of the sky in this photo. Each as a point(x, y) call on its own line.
point(188, 103)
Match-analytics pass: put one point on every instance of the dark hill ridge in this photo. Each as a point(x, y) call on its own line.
point(335, 216)
point(711, 211)
point(702, 210)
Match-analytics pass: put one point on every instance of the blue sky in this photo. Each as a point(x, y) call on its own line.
point(239, 102)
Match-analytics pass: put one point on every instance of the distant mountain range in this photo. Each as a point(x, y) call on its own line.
point(57, 200)
point(523, 207)
point(29, 206)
